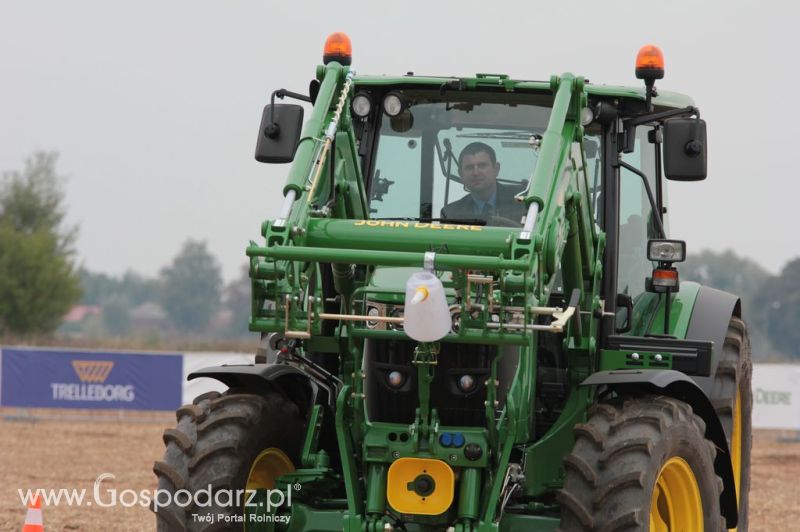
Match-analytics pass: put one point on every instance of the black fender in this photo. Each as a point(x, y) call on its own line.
point(297, 385)
point(682, 387)
point(711, 314)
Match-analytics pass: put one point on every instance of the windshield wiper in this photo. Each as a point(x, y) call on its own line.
point(457, 221)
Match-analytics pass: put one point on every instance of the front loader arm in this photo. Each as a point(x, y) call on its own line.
point(563, 232)
point(324, 169)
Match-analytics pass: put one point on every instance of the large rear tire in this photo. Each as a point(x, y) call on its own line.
point(732, 397)
point(224, 442)
point(641, 465)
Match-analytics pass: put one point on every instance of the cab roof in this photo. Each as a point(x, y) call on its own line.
point(664, 98)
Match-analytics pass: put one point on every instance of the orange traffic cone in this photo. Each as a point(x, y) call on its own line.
point(33, 519)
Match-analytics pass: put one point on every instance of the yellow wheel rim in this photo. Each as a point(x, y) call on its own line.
point(736, 443)
point(676, 504)
point(270, 464)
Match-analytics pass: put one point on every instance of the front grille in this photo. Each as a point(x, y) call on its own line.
point(385, 403)
point(455, 407)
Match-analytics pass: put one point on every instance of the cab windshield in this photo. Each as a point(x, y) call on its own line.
point(458, 158)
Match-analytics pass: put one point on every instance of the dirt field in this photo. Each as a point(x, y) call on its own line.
point(53, 453)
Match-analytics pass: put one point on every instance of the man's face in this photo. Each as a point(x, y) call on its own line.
point(479, 174)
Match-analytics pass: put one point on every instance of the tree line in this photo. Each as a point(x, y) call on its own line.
point(187, 297)
point(40, 281)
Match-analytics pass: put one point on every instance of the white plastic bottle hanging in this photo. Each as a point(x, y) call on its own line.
point(427, 316)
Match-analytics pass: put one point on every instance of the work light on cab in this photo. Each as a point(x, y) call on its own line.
point(338, 48)
point(361, 105)
point(393, 104)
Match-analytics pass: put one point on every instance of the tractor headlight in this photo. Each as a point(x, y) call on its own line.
point(396, 312)
point(455, 316)
point(372, 312)
point(666, 250)
point(466, 383)
point(396, 379)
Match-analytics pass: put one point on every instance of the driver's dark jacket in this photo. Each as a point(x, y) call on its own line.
point(505, 205)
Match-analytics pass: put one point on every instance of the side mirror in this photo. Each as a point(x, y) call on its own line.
point(279, 133)
point(685, 149)
point(624, 303)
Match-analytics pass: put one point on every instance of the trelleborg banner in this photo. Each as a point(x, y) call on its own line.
point(90, 379)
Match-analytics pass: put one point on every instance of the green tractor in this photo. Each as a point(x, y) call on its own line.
point(471, 320)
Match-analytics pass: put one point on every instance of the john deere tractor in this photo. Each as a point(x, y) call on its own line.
point(471, 319)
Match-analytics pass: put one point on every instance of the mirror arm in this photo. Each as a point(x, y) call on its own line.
point(650, 197)
point(283, 93)
point(624, 300)
point(630, 124)
point(662, 115)
point(273, 130)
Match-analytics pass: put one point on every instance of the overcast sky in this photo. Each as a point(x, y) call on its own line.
point(154, 106)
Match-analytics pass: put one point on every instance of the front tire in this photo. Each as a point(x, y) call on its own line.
point(641, 465)
point(217, 441)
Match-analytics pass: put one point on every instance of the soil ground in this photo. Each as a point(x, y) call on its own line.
point(58, 450)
